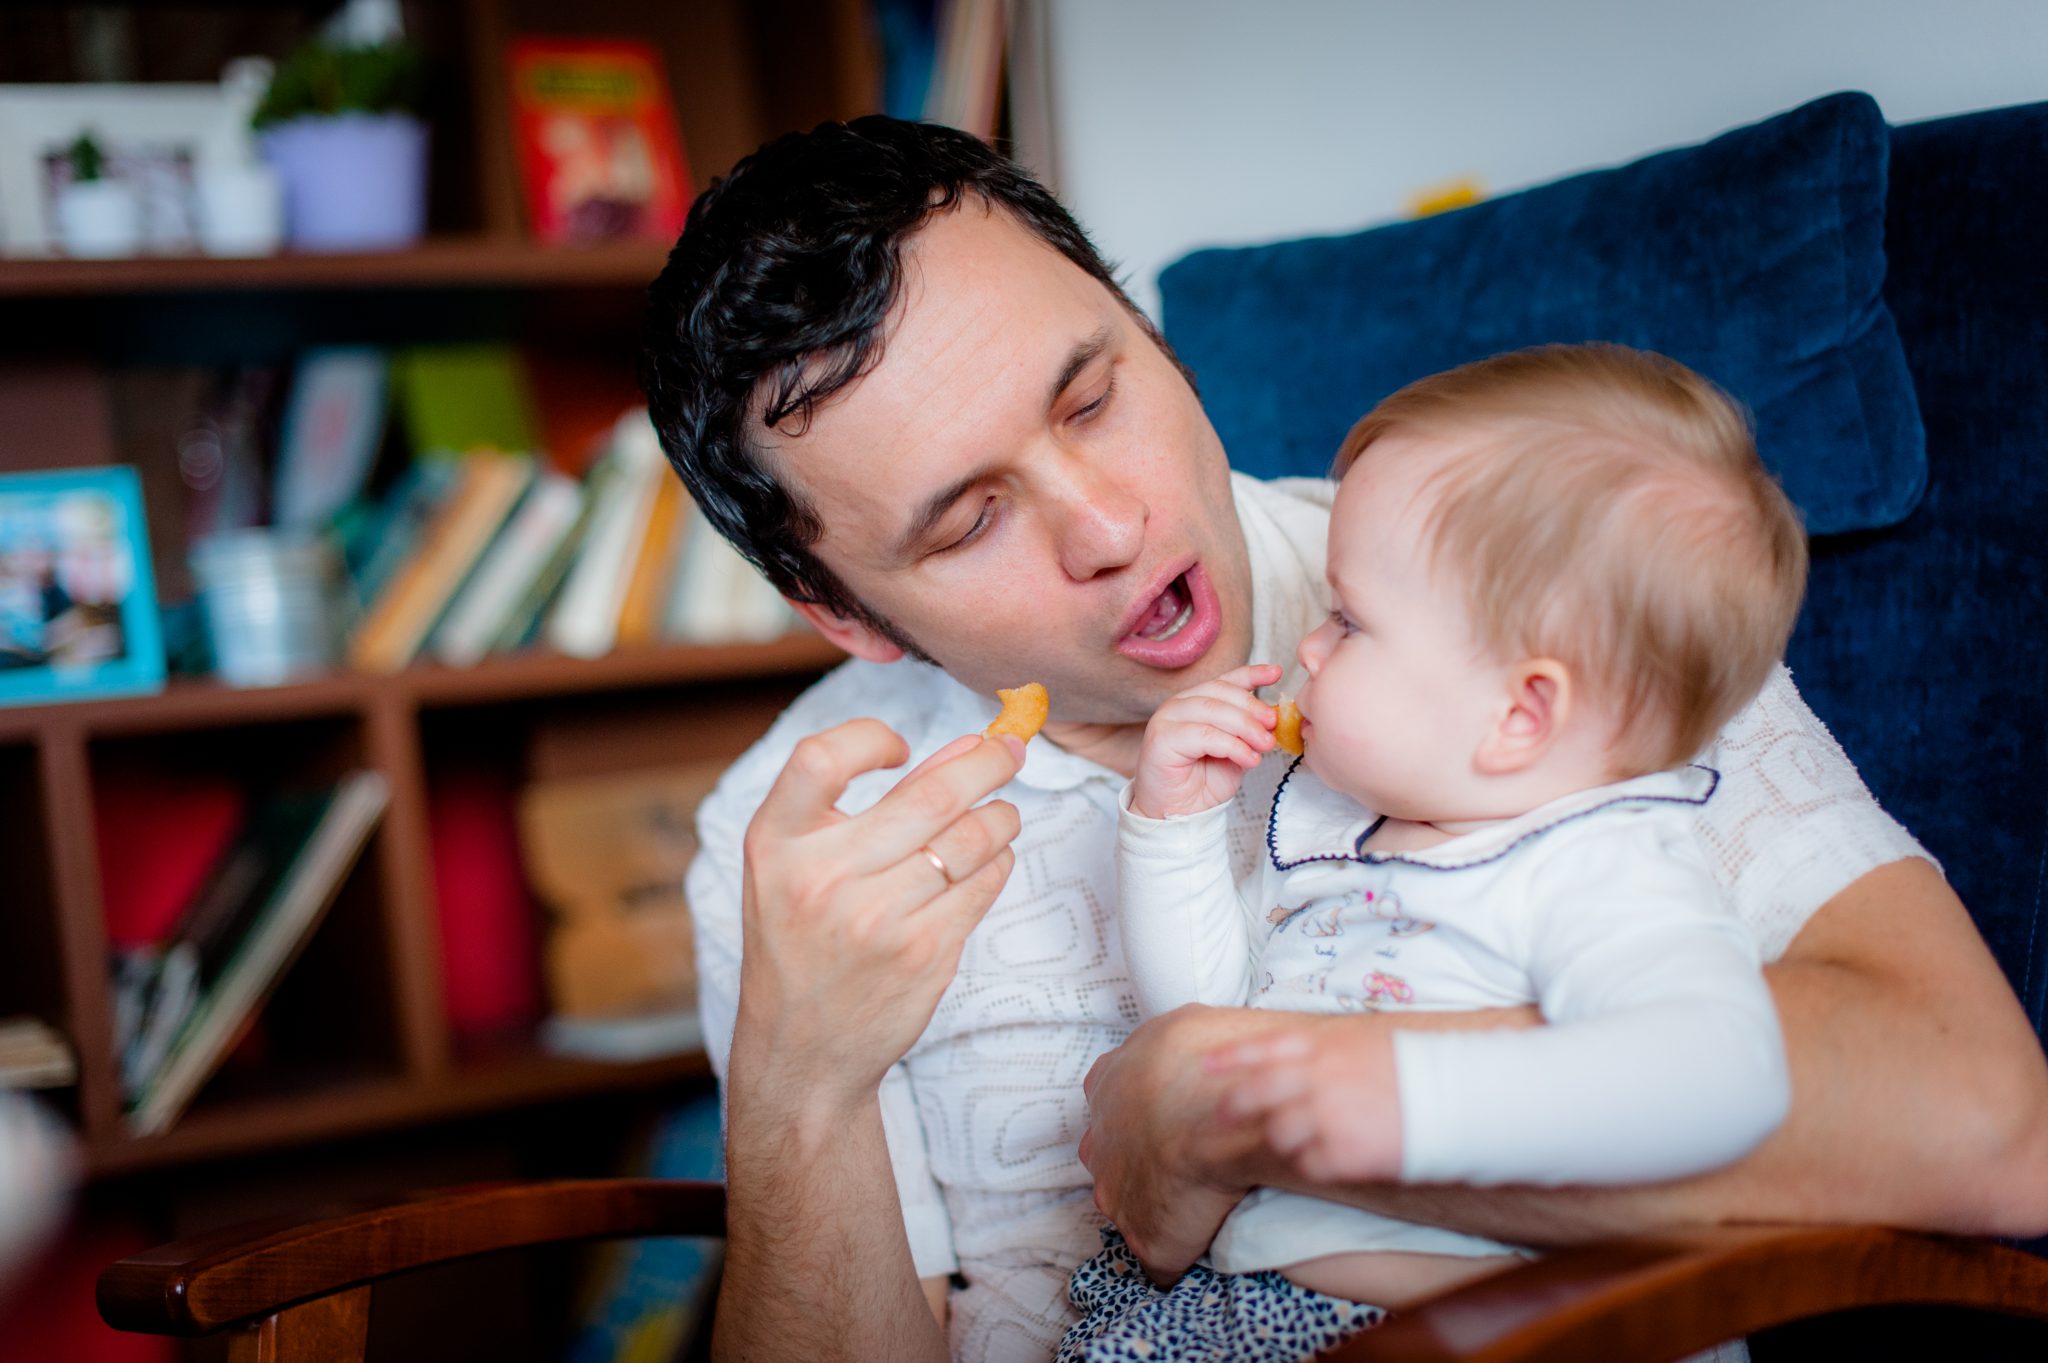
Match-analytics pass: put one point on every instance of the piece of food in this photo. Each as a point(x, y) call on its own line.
point(1287, 727)
point(1024, 709)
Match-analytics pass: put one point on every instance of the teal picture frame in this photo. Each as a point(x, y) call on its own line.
point(78, 609)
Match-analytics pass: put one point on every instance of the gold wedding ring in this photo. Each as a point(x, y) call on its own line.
point(937, 864)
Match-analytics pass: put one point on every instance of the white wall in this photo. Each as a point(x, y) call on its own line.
point(1184, 123)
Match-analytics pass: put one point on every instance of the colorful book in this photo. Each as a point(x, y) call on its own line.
point(377, 539)
point(584, 621)
point(544, 519)
point(523, 624)
point(640, 616)
point(599, 152)
point(245, 929)
point(333, 427)
point(398, 623)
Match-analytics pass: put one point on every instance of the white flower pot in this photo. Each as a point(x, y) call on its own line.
point(99, 219)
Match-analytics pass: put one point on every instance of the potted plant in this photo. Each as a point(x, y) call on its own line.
point(341, 126)
point(96, 217)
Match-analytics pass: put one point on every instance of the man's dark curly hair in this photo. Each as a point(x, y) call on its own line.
point(774, 299)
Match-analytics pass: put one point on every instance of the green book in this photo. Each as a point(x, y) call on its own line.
point(454, 399)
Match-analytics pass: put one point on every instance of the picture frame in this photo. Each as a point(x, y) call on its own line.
point(78, 612)
point(157, 137)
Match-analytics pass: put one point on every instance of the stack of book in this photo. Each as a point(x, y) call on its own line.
point(183, 1003)
point(488, 553)
point(32, 1056)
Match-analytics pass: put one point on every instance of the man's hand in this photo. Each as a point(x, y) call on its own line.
point(1168, 1162)
point(1160, 1156)
point(1326, 1100)
point(854, 925)
point(1199, 745)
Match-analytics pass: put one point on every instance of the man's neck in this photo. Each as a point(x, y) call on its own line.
point(1114, 746)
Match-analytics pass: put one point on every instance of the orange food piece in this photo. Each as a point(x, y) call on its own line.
point(1024, 711)
point(1287, 727)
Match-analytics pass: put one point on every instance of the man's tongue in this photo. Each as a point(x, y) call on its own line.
point(1159, 621)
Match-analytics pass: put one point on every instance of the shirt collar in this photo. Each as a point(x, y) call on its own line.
point(1311, 822)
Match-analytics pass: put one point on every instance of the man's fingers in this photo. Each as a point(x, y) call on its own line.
point(818, 770)
point(969, 844)
point(947, 753)
point(925, 805)
point(1268, 1089)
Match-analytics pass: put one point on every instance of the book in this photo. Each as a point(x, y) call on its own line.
point(645, 1299)
point(32, 1055)
point(490, 927)
point(333, 427)
point(967, 74)
point(543, 520)
point(245, 929)
point(378, 538)
point(606, 856)
point(721, 598)
point(647, 586)
point(584, 620)
point(599, 153)
point(523, 623)
point(398, 623)
point(453, 399)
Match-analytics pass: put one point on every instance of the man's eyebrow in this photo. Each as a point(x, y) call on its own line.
point(1085, 352)
point(934, 508)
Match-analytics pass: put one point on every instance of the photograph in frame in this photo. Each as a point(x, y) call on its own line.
point(78, 613)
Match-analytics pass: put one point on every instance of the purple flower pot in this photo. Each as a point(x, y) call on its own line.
point(353, 182)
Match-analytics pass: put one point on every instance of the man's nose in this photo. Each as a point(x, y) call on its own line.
point(1101, 524)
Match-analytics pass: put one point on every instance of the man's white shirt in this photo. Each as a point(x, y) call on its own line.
point(985, 1114)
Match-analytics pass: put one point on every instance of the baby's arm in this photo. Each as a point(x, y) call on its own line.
point(1184, 931)
point(1663, 1058)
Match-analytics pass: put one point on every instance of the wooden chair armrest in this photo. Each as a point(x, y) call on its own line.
point(1662, 1298)
point(243, 1274)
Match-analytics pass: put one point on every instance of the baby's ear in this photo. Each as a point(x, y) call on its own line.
point(1534, 707)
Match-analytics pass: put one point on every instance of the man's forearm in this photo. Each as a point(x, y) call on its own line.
point(1920, 1097)
point(817, 1265)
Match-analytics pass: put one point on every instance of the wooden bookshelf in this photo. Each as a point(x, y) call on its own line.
point(380, 945)
point(459, 262)
point(740, 72)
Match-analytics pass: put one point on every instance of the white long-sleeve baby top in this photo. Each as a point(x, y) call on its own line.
point(1661, 1057)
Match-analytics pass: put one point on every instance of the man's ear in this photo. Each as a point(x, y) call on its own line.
point(1533, 712)
point(853, 636)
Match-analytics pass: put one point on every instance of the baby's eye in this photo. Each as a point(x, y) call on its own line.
point(1341, 621)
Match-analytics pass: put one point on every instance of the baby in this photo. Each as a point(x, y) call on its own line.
point(1556, 575)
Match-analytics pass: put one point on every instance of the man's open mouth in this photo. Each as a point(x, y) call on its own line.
point(1178, 625)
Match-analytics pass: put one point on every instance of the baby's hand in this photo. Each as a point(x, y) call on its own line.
point(1200, 744)
point(1326, 1096)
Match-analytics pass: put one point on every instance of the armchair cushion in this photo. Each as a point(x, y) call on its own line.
point(1756, 258)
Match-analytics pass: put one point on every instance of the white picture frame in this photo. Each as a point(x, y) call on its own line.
point(162, 136)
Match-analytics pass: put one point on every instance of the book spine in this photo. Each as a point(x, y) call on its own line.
point(399, 622)
point(315, 876)
point(639, 614)
point(585, 620)
point(518, 557)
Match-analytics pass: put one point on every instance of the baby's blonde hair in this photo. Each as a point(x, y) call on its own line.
point(1606, 507)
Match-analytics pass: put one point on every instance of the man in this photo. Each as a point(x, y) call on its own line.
point(895, 373)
